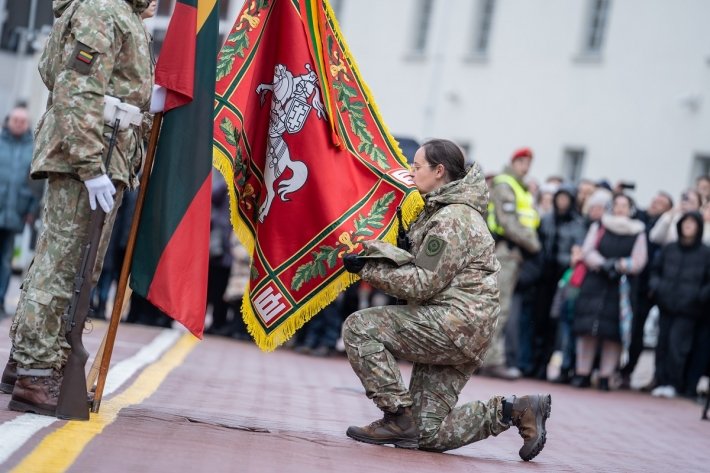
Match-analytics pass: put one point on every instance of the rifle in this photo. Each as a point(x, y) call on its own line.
point(73, 403)
point(403, 242)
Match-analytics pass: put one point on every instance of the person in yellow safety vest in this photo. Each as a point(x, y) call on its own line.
point(513, 221)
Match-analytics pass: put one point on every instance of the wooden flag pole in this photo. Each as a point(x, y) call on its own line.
point(103, 357)
point(94, 371)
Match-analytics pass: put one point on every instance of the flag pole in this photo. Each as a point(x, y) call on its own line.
point(99, 369)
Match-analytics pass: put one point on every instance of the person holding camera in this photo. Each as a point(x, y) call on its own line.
point(614, 252)
point(666, 228)
point(449, 279)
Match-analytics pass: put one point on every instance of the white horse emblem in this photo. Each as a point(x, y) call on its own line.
point(289, 112)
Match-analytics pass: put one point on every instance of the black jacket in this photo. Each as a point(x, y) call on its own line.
point(680, 276)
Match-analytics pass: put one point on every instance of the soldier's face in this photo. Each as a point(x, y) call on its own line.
point(426, 177)
point(150, 11)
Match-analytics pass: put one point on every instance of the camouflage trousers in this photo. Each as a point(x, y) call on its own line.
point(509, 260)
point(37, 330)
point(374, 338)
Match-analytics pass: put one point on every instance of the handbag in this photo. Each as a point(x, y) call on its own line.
point(580, 269)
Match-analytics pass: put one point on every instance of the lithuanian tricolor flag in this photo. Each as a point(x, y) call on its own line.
point(312, 169)
point(172, 249)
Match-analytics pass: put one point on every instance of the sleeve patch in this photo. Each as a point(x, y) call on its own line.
point(432, 251)
point(83, 58)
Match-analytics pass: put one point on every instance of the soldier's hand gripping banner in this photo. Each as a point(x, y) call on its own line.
point(311, 167)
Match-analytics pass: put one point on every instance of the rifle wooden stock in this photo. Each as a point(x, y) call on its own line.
point(72, 403)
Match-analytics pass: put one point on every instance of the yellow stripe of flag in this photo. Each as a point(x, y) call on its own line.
point(204, 8)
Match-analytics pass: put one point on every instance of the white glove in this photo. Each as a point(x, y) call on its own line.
point(100, 188)
point(126, 114)
point(157, 100)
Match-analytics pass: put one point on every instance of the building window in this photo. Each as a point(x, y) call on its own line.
point(596, 26)
point(23, 23)
point(701, 167)
point(483, 22)
point(572, 164)
point(422, 25)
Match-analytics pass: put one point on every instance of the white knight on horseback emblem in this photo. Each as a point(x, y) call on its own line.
point(290, 109)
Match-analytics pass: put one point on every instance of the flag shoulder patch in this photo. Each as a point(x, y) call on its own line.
point(83, 58)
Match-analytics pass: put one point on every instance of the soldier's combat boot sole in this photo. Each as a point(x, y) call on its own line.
point(408, 443)
point(545, 407)
point(20, 406)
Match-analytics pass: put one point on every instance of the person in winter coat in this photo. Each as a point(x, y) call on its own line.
point(559, 231)
point(449, 279)
point(17, 202)
point(664, 230)
point(613, 248)
point(661, 203)
point(680, 283)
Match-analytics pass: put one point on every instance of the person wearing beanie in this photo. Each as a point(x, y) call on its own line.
point(513, 221)
point(596, 205)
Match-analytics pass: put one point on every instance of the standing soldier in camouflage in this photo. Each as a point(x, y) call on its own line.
point(97, 48)
point(513, 221)
point(449, 279)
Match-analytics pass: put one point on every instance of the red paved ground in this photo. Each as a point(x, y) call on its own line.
point(229, 407)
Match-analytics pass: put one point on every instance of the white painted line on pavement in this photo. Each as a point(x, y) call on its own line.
point(14, 433)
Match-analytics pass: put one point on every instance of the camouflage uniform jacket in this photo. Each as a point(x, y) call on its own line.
point(452, 270)
point(503, 198)
point(96, 48)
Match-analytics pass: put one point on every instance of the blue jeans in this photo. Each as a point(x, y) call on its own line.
point(7, 245)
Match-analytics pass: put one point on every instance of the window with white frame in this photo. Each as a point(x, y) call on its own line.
point(596, 27)
point(422, 25)
point(483, 22)
point(572, 164)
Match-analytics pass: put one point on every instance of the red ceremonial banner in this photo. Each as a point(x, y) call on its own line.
point(312, 170)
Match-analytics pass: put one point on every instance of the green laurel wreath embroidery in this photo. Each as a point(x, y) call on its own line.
point(358, 125)
point(235, 45)
point(233, 137)
point(326, 257)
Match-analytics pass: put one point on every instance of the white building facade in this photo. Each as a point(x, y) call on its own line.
point(615, 89)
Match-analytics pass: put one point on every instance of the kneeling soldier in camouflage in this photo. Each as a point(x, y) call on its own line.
point(97, 48)
point(449, 278)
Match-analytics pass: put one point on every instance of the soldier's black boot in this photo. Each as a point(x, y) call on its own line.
point(398, 429)
point(38, 394)
point(528, 414)
point(9, 376)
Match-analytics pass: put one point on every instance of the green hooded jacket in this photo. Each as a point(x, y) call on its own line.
point(451, 269)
